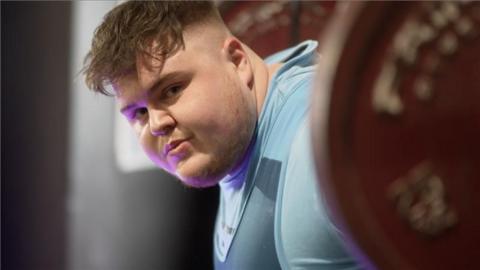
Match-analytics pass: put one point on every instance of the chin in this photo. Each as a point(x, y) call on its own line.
point(206, 173)
point(198, 182)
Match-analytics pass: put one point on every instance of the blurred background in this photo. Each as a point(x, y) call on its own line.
point(76, 192)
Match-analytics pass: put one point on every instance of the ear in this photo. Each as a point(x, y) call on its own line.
point(237, 55)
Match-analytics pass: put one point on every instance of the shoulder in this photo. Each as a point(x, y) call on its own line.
point(298, 66)
point(305, 54)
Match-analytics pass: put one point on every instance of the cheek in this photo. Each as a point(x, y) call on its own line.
point(151, 147)
point(219, 120)
point(230, 126)
point(217, 111)
point(205, 112)
point(144, 138)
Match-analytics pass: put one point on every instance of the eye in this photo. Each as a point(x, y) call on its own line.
point(173, 90)
point(138, 114)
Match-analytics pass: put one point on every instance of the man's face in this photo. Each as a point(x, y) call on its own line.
point(194, 113)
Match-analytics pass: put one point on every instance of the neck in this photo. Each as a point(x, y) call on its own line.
point(262, 73)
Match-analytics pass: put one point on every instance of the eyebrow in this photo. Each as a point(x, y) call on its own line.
point(155, 86)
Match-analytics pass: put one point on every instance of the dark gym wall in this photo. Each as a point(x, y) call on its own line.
point(35, 52)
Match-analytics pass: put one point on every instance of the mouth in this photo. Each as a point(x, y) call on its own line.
point(172, 146)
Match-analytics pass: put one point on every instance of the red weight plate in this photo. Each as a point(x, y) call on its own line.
point(396, 128)
point(270, 26)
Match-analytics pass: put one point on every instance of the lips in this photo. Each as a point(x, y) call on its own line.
point(170, 146)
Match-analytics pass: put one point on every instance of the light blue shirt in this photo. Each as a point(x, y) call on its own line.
point(275, 217)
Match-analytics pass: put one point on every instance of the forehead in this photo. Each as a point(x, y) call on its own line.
point(147, 71)
point(202, 46)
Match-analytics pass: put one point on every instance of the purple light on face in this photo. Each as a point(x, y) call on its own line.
point(159, 162)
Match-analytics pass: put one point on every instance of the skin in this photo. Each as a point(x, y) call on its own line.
point(195, 112)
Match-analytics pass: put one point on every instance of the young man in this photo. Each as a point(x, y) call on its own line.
point(208, 110)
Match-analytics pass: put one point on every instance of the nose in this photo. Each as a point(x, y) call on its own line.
point(161, 123)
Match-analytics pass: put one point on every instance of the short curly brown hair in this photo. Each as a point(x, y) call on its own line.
point(129, 29)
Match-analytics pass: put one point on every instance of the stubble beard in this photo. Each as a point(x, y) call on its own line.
point(230, 158)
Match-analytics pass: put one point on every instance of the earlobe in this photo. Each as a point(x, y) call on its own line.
point(239, 57)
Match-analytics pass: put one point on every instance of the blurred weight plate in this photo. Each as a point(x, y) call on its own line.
point(271, 26)
point(396, 131)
